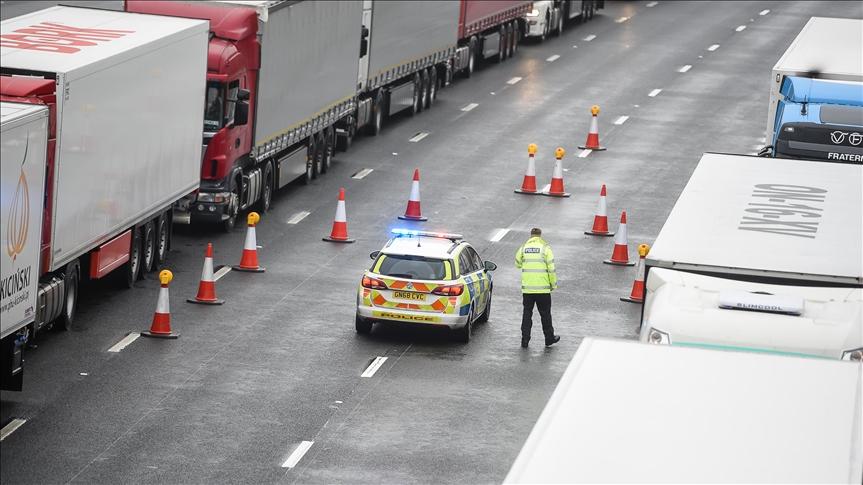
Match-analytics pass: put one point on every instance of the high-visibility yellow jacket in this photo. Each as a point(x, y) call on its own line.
point(536, 262)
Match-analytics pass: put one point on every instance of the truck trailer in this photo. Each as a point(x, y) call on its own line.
point(625, 412)
point(761, 255)
point(816, 94)
point(548, 17)
point(115, 162)
point(488, 29)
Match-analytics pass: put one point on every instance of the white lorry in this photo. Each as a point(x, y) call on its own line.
point(124, 94)
point(625, 412)
point(762, 255)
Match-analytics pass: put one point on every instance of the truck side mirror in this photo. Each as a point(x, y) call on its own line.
point(241, 113)
point(364, 41)
point(242, 95)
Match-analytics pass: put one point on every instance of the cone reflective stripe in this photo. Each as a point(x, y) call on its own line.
point(600, 220)
point(555, 189)
point(207, 286)
point(528, 185)
point(249, 260)
point(161, 326)
point(340, 222)
point(413, 212)
point(637, 293)
point(620, 254)
point(592, 142)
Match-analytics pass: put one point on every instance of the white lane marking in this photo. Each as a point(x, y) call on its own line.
point(651, 4)
point(575, 47)
point(85, 374)
point(584, 153)
point(553, 58)
point(621, 120)
point(654, 93)
point(685, 68)
point(740, 28)
point(470, 107)
point(297, 455)
point(374, 366)
point(122, 344)
point(589, 38)
point(547, 188)
point(498, 235)
point(764, 12)
point(713, 47)
point(419, 136)
point(362, 173)
point(296, 218)
point(222, 272)
point(11, 427)
point(514, 80)
point(621, 20)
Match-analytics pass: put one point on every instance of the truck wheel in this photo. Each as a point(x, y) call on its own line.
point(329, 148)
point(501, 45)
point(378, 121)
point(132, 267)
point(362, 325)
point(319, 154)
point(433, 80)
point(426, 89)
point(508, 41)
point(559, 29)
point(473, 46)
point(418, 87)
point(545, 29)
point(163, 236)
point(516, 36)
point(233, 208)
point(591, 9)
point(148, 248)
point(267, 190)
point(583, 17)
point(310, 161)
point(71, 278)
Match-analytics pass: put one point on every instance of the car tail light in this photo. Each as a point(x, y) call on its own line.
point(451, 290)
point(373, 283)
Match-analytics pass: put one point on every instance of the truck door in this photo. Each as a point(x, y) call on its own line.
point(365, 45)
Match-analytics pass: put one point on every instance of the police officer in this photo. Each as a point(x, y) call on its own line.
point(538, 279)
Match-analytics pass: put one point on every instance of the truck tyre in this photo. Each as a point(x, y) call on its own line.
point(591, 9)
point(319, 154)
point(362, 325)
point(132, 268)
point(267, 189)
point(584, 10)
point(433, 86)
point(426, 92)
point(329, 148)
point(343, 143)
point(508, 41)
point(559, 28)
point(148, 248)
point(378, 120)
point(233, 208)
point(418, 87)
point(545, 28)
point(310, 161)
point(516, 36)
point(71, 280)
point(163, 237)
point(473, 47)
point(501, 45)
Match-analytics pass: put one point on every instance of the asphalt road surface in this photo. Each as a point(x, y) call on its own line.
point(275, 374)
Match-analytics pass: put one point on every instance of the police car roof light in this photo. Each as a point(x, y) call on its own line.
point(399, 232)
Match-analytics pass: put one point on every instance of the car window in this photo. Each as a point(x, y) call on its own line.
point(477, 261)
point(465, 263)
point(412, 267)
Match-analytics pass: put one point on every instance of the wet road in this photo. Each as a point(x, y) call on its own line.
point(279, 365)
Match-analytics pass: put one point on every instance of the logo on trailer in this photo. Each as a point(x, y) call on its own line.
point(19, 213)
point(837, 137)
point(855, 138)
point(58, 38)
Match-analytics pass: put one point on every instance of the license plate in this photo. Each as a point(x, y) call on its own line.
point(409, 318)
point(409, 295)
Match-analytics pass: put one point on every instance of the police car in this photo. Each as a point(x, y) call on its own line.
point(427, 278)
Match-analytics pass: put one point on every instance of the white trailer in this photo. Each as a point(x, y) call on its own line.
point(23, 144)
point(625, 412)
point(765, 231)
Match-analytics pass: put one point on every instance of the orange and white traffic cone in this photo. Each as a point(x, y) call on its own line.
point(600, 220)
point(207, 286)
point(340, 223)
point(528, 185)
point(249, 261)
point(414, 212)
point(620, 255)
point(555, 189)
point(637, 293)
point(592, 142)
point(161, 326)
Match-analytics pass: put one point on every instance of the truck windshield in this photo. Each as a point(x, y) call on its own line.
point(412, 267)
point(214, 107)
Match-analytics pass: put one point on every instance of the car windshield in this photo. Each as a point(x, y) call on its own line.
point(214, 107)
point(412, 267)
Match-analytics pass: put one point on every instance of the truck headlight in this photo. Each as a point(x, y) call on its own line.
point(658, 337)
point(854, 355)
point(215, 197)
point(533, 13)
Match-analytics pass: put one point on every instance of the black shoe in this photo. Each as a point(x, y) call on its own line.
point(553, 341)
point(523, 343)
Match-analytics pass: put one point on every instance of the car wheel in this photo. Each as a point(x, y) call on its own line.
point(71, 278)
point(487, 312)
point(362, 325)
point(463, 334)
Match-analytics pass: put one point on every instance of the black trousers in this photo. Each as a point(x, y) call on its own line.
point(543, 302)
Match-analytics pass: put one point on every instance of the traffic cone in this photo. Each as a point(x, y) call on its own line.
point(207, 286)
point(600, 220)
point(249, 261)
point(556, 187)
point(161, 326)
point(592, 142)
point(413, 212)
point(528, 186)
point(620, 255)
point(340, 223)
point(637, 293)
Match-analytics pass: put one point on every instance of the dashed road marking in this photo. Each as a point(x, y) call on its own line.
point(621, 120)
point(547, 188)
point(298, 454)
point(498, 235)
point(222, 272)
point(470, 107)
point(713, 47)
point(589, 38)
point(685, 68)
point(575, 47)
point(419, 136)
point(584, 153)
point(296, 218)
point(362, 173)
point(11, 427)
point(621, 20)
point(374, 366)
point(553, 58)
point(764, 12)
point(653, 93)
point(651, 4)
point(740, 28)
point(122, 344)
point(514, 80)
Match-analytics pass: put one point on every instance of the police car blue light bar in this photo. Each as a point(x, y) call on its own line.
point(414, 232)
